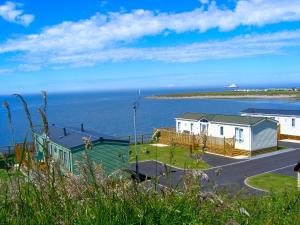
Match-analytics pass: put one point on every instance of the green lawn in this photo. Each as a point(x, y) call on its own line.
point(273, 182)
point(180, 156)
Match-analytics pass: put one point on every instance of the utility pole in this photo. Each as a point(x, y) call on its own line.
point(135, 107)
point(135, 141)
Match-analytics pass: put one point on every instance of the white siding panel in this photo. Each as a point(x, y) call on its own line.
point(185, 125)
point(214, 130)
point(284, 121)
point(264, 135)
point(229, 132)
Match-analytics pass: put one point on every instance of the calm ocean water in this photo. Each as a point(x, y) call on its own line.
point(111, 112)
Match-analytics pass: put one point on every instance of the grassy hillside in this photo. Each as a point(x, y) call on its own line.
point(66, 200)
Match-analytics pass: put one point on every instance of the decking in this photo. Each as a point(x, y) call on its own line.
point(222, 146)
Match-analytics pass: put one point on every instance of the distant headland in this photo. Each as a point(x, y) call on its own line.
point(271, 93)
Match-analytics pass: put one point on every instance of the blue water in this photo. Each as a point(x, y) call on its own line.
point(111, 112)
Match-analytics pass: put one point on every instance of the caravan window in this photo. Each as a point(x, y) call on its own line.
point(192, 125)
point(65, 159)
point(50, 150)
point(239, 135)
point(203, 128)
point(61, 155)
point(222, 131)
point(178, 126)
point(293, 122)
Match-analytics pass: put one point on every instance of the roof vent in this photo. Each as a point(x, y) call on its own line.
point(81, 128)
point(65, 131)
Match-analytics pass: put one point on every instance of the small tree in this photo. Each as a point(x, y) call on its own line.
point(156, 135)
point(203, 141)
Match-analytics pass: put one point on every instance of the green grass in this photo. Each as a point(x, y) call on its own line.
point(180, 158)
point(125, 204)
point(282, 148)
point(3, 175)
point(274, 182)
point(233, 93)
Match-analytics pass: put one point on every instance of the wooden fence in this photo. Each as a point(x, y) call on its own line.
point(224, 146)
point(141, 138)
point(284, 136)
point(28, 156)
point(10, 155)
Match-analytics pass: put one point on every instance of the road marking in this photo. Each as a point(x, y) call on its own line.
point(230, 164)
point(221, 166)
point(255, 188)
point(270, 171)
point(248, 160)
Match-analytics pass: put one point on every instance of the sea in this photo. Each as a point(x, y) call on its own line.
point(111, 112)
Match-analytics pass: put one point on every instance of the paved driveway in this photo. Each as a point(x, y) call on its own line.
point(238, 172)
point(153, 169)
point(287, 171)
point(289, 144)
point(232, 175)
point(216, 160)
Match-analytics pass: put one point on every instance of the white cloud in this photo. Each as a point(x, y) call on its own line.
point(243, 46)
point(204, 1)
point(103, 3)
point(105, 36)
point(5, 70)
point(10, 13)
point(21, 68)
point(29, 67)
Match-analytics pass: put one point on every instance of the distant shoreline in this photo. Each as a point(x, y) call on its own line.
point(223, 97)
point(242, 94)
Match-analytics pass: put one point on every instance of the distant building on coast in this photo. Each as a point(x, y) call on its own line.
point(233, 86)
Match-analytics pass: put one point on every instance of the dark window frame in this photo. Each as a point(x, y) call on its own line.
point(222, 131)
point(293, 122)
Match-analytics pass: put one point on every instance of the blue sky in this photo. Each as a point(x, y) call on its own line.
point(124, 44)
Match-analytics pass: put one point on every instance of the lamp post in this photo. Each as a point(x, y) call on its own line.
point(135, 140)
point(135, 106)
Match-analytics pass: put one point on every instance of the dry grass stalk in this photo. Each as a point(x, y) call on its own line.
point(25, 106)
point(9, 119)
point(87, 142)
point(44, 120)
point(44, 94)
point(7, 107)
